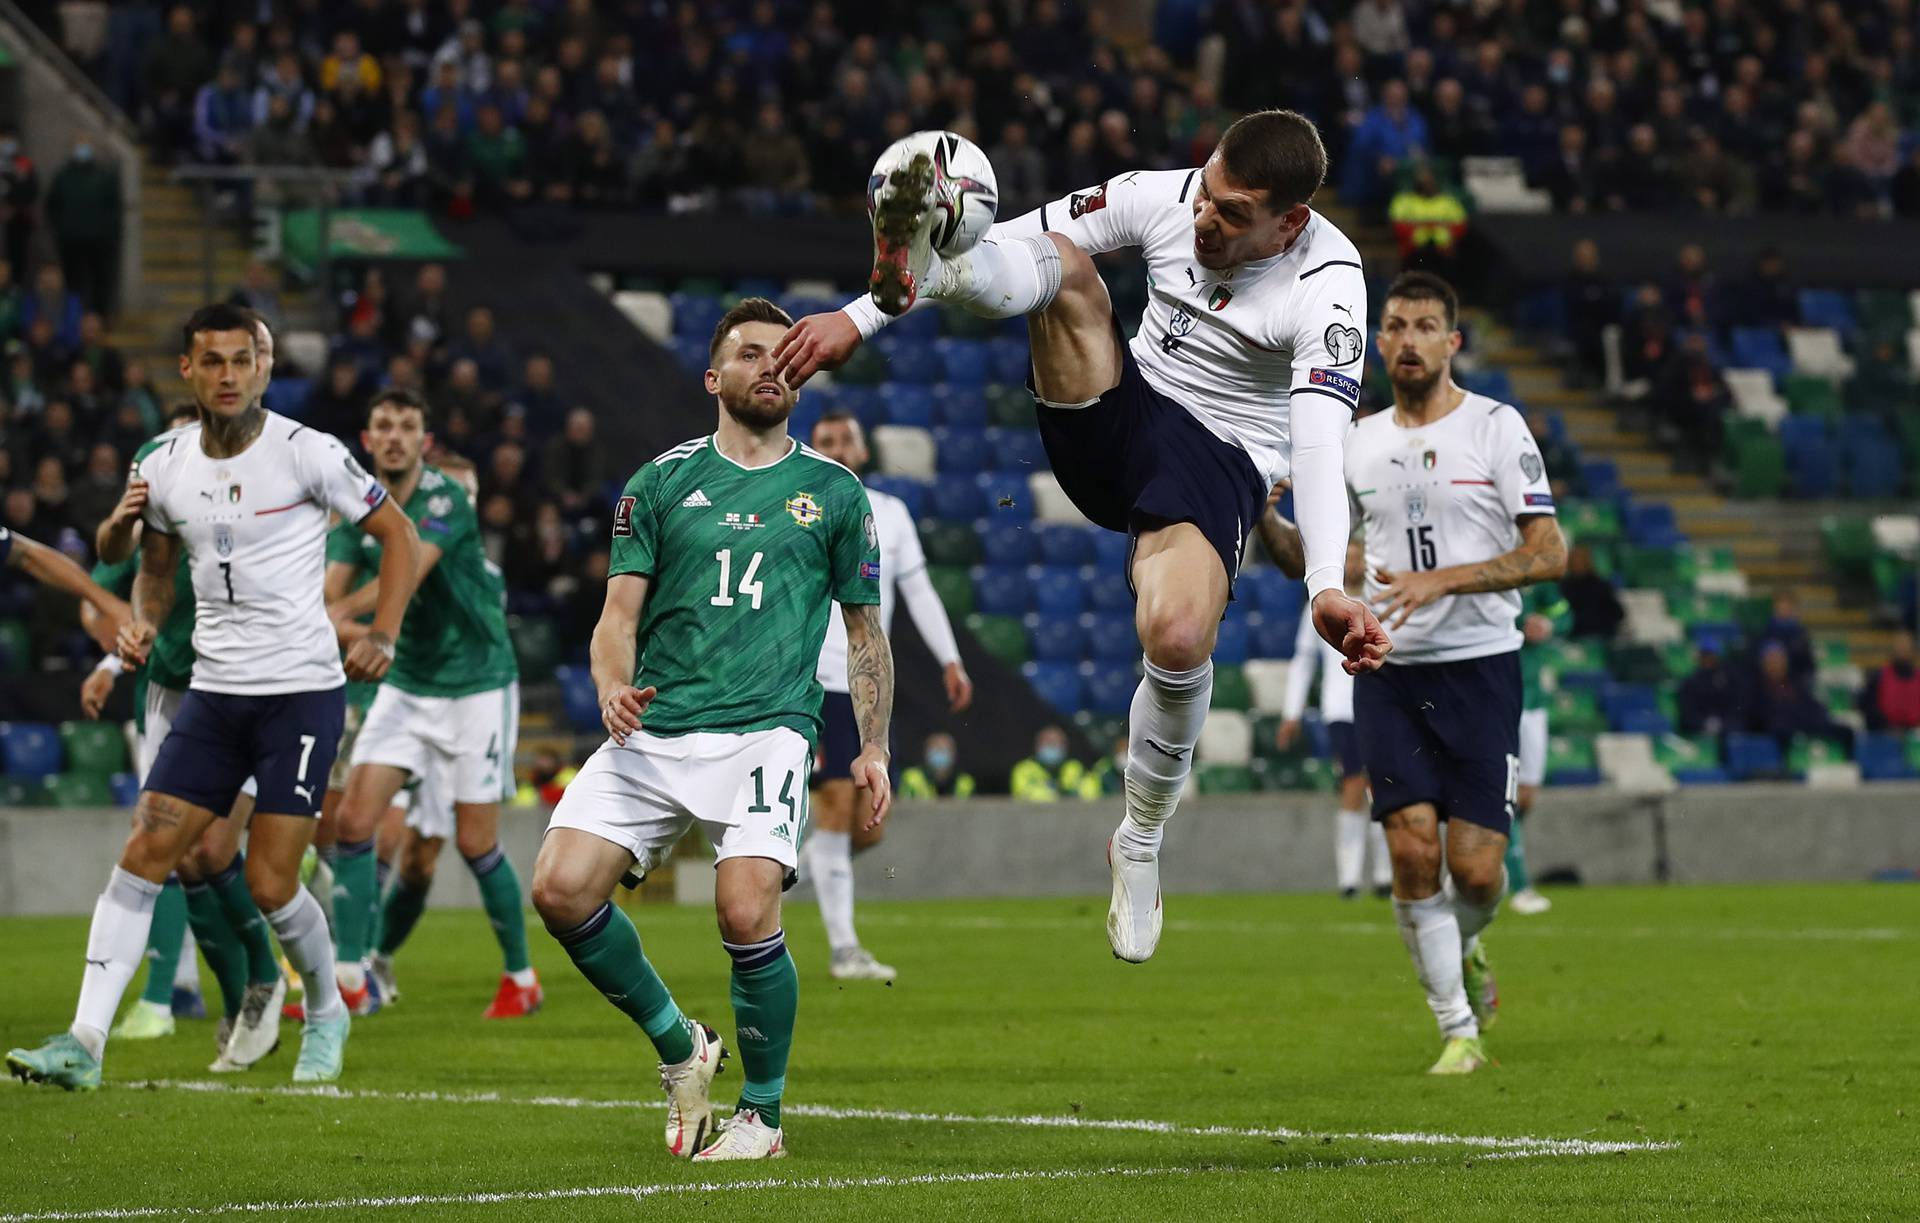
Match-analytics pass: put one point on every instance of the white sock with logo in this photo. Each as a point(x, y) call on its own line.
point(1169, 708)
point(116, 947)
point(1001, 278)
point(302, 928)
point(830, 862)
point(1349, 848)
point(1432, 937)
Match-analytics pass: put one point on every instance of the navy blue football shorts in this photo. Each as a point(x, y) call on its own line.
point(1446, 733)
point(285, 741)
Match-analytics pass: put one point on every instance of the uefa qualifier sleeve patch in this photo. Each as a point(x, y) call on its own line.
point(1333, 382)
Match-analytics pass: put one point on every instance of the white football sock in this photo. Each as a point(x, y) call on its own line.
point(830, 857)
point(1169, 708)
point(1474, 918)
point(186, 972)
point(116, 947)
point(1349, 848)
point(304, 938)
point(1382, 860)
point(1001, 277)
point(1432, 936)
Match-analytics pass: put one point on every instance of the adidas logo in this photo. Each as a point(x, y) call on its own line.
point(784, 834)
point(696, 501)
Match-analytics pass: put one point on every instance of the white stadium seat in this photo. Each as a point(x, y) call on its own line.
point(1732, 582)
point(1817, 351)
point(1898, 534)
point(904, 450)
point(1754, 396)
point(1648, 622)
point(1226, 738)
point(304, 350)
point(1834, 775)
point(1267, 677)
point(651, 312)
point(1050, 502)
point(601, 283)
point(1498, 184)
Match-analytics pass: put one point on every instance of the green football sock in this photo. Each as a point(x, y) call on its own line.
point(249, 924)
point(606, 950)
point(500, 893)
point(383, 886)
point(163, 943)
point(403, 907)
point(218, 944)
point(355, 893)
point(1517, 878)
point(766, 996)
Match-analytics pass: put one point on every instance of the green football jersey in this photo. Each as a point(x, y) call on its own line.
point(745, 566)
point(454, 641)
point(343, 547)
point(1546, 600)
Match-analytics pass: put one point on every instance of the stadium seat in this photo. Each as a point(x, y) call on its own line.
point(921, 325)
point(1268, 590)
point(1645, 722)
point(1813, 468)
point(80, 790)
point(1754, 397)
point(1813, 397)
point(1873, 472)
point(949, 543)
point(1225, 738)
point(904, 450)
point(691, 353)
point(1571, 761)
point(866, 367)
point(912, 492)
point(961, 406)
point(578, 697)
point(1107, 591)
point(1882, 757)
point(1004, 495)
point(1110, 687)
point(907, 404)
point(305, 351)
point(1897, 535)
point(1759, 465)
point(1760, 348)
point(16, 647)
point(1056, 683)
point(908, 358)
point(1224, 779)
point(1272, 635)
point(1576, 712)
point(1230, 688)
point(953, 496)
point(867, 403)
point(1267, 682)
point(1005, 637)
point(1817, 351)
point(1110, 548)
point(1110, 637)
point(1056, 638)
point(1011, 405)
point(1050, 502)
point(1060, 544)
point(1017, 448)
point(1058, 590)
point(1650, 524)
point(30, 749)
point(695, 315)
point(536, 644)
point(964, 362)
point(24, 792)
point(649, 311)
point(1233, 643)
point(288, 396)
point(954, 586)
point(94, 747)
point(1009, 360)
point(1753, 756)
point(126, 789)
point(1006, 543)
point(1002, 591)
point(1601, 478)
point(961, 451)
point(1849, 546)
point(1830, 308)
point(1618, 754)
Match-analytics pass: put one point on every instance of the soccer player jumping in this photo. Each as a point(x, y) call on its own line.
point(1245, 370)
point(728, 552)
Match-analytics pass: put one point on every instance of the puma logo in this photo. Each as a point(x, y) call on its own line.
point(304, 792)
point(1191, 279)
point(1398, 462)
point(100, 964)
point(1342, 309)
point(1169, 752)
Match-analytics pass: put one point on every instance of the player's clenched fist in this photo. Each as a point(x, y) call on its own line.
point(1349, 626)
point(870, 778)
point(133, 641)
point(368, 658)
point(132, 503)
point(622, 707)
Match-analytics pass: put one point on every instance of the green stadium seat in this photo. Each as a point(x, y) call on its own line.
point(705, 286)
point(1569, 752)
point(79, 790)
point(1012, 407)
point(1752, 613)
point(1591, 522)
point(1684, 752)
point(1679, 658)
point(1692, 609)
point(1913, 748)
point(1576, 711)
point(1637, 664)
point(23, 792)
point(536, 644)
point(1668, 701)
point(1568, 655)
point(1812, 396)
point(1759, 466)
point(1278, 774)
point(1838, 698)
point(94, 747)
point(1266, 729)
point(1003, 636)
point(1834, 652)
point(1885, 310)
point(866, 367)
point(1805, 753)
point(954, 587)
point(1849, 546)
point(949, 543)
point(1230, 688)
point(1657, 568)
point(1099, 728)
point(1225, 779)
point(16, 647)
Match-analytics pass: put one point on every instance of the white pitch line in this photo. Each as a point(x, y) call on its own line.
point(1525, 1144)
point(1838, 934)
point(641, 1192)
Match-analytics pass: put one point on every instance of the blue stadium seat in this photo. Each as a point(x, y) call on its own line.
point(1008, 359)
point(695, 315)
point(1000, 590)
point(758, 286)
point(1110, 549)
point(1828, 308)
point(30, 749)
point(907, 404)
point(1799, 432)
point(959, 405)
point(1750, 756)
point(965, 362)
point(1007, 543)
point(1110, 637)
point(909, 358)
point(126, 789)
point(288, 396)
point(1063, 544)
point(1618, 700)
point(799, 305)
point(806, 414)
point(1585, 681)
point(1813, 468)
point(961, 450)
point(1056, 638)
point(1234, 641)
point(954, 497)
point(579, 697)
point(1004, 495)
point(1649, 524)
point(1493, 383)
point(867, 403)
point(1019, 448)
point(908, 489)
point(1874, 471)
point(1600, 478)
point(1108, 592)
point(922, 324)
point(691, 352)
point(1272, 634)
point(1701, 775)
point(1058, 590)
point(1883, 758)
point(1720, 636)
point(1649, 722)
point(1109, 687)
point(1761, 348)
point(1574, 777)
point(1056, 683)
point(1269, 590)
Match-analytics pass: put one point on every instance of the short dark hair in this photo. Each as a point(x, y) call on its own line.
point(182, 410)
point(747, 310)
point(400, 397)
point(220, 316)
point(835, 416)
point(1276, 151)
point(1426, 287)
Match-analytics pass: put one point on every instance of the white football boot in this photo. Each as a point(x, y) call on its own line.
point(258, 1032)
point(689, 1112)
point(745, 1136)
point(1133, 915)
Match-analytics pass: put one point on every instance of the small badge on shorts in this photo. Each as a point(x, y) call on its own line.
point(805, 510)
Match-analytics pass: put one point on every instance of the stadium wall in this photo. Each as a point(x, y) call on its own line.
point(53, 861)
point(1821, 252)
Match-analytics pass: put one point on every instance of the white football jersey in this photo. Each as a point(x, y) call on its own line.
point(255, 530)
point(1447, 493)
point(900, 556)
point(1311, 655)
point(1238, 348)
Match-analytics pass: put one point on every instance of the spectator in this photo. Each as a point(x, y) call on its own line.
point(1905, 187)
point(83, 395)
point(1458, 127)
point(463, 404)
point(141, 397)
point(1707, 698)
point(177, 65)
point(336, 403)
point(1380, 27)
point(575, 465)
point(1891, 698)
point(481, 345)
point(497, 518)
point(108, 366)
point(1428, 224)
point(98, 489)
point(402, 168)
point(279, 140)
point(349, 62)
point(600, 170)
point(777, 173)
point(1768, 298)
point(60, 309)
point(502, 476)
point(1595, 605)
point(1050, 774)
point(1693, 297)
point(284, 80)
point(1642, 180)
point(83, 203)
point(52, 515)
point(1593, 305)
point(222, 117)
point(56, 435)
point(539, 562)
point(428, 311)
point(1572, 178)
point(1798, 181)
point(938, 774)
point(259, 292)
point(51, 359)
point(1713, 183)
point(1780, 703)
point(19, 197)
point(1392, 132)
point(11, 301)
point(1690, 396)
point(1019, 169)
point(1784, 629)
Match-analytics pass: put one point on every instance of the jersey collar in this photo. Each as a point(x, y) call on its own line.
point(793, 448)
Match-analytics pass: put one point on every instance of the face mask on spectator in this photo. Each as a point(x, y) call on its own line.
point(83, 152)
point(939, 759)
point(1052, 755)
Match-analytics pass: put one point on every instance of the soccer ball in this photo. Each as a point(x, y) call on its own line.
point(964, 192)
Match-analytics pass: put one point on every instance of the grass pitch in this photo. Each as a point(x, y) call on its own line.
point(1710, 1052)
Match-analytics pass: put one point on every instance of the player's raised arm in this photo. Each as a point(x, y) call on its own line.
point(870, 682)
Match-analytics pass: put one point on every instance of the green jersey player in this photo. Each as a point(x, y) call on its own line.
point(1544, 615)
point(448, 712)
point(727, 554)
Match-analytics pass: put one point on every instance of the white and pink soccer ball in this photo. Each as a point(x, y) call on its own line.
point(965, 194)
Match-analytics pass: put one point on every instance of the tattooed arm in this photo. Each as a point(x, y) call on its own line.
point(1541, 557)
point(152, 595)
point(1281, 538)
point(870, 681)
